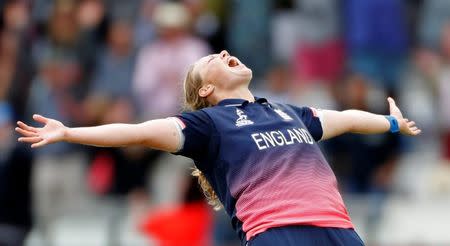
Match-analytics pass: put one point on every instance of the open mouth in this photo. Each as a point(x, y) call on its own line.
point(233, 62)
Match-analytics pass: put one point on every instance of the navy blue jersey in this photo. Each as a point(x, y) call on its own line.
point(264, 164)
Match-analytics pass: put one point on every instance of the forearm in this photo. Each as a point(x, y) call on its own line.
point(366, 123)
point(158, 134)
point(162, 134)
point(111, 135)
point(335, 123)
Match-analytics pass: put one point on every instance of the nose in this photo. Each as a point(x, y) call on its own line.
point(224, 54)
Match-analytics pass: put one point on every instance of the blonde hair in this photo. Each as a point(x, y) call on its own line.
point(193, 101)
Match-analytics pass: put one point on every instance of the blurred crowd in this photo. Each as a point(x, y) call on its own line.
point(91, 62)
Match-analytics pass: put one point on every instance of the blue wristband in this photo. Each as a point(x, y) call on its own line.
point(394, 124)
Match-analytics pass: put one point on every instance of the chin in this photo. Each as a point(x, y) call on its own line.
point(248, 78)
point(245, 72)
point(239, 76)
point(249, 75)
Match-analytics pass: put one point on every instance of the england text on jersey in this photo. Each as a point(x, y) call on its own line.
point(264, 140)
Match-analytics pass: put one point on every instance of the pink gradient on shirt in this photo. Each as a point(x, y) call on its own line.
point(288, 189)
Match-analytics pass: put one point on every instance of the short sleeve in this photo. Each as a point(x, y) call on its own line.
point(196, 128)
point(311, 118)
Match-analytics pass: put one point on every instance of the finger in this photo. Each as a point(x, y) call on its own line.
point(391, 101)
point(25, 132)
point(392, 104)
point(39, 144)
point(26, 127)
point(417, 132)
point(411, 124)
point(393, 109)
point(40, 118)
point(413, 128)
point(30, 139)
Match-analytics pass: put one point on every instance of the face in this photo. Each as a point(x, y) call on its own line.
point(223, 71)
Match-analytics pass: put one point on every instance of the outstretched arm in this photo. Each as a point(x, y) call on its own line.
point(355, 121)
point(159, 134)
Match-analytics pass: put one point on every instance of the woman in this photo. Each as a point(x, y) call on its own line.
point(259, 160)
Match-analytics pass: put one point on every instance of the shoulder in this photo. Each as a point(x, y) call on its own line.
point(197, 114)
point(303, 109)
point(197, 119)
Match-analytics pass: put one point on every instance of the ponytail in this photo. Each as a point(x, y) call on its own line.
point(193, 101)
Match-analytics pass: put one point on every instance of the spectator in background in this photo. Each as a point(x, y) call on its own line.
point(434, 15)
point(161, 64)
point(144, 28)
point(157, 81)
point(443, 89)
point(15, 53)
point(248, 33)
point(15, 183)
point(435, 71)
point(320, 53)
point(41, 11)
point(69, 33)
point(276, 85)
point(15, 161)
point(377, 47)
point(318, 59)
point(116, 171)
point(90, 14)
point(8, 60)
point(209, 19)
point(91, 22)
point(419, 87)
point(58, 171)
point(15, 16)
point(111, 81)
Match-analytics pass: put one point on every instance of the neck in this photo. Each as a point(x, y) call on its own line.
point(241, 93)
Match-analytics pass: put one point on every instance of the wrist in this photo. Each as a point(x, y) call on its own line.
point(394, 126)
point(65, 134)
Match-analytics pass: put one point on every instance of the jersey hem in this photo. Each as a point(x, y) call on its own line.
point(349, 225)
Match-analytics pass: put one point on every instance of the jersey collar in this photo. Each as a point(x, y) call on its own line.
point(240, 102)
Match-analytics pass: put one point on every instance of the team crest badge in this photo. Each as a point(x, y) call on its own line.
point(242, 119)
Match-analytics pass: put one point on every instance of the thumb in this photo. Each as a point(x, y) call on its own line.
point(393, 109)
point(40, 118)
point(392, 105)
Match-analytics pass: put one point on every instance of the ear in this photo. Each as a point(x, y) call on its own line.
point(206, 90)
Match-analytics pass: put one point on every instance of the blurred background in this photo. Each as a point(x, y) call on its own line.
point(91, 62)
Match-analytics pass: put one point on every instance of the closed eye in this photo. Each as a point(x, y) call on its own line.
point(210, 59)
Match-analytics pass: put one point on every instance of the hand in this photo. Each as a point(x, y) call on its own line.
point(52, 132)
point(406, 127)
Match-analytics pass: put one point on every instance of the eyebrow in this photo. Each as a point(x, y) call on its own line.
point(211, 58)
